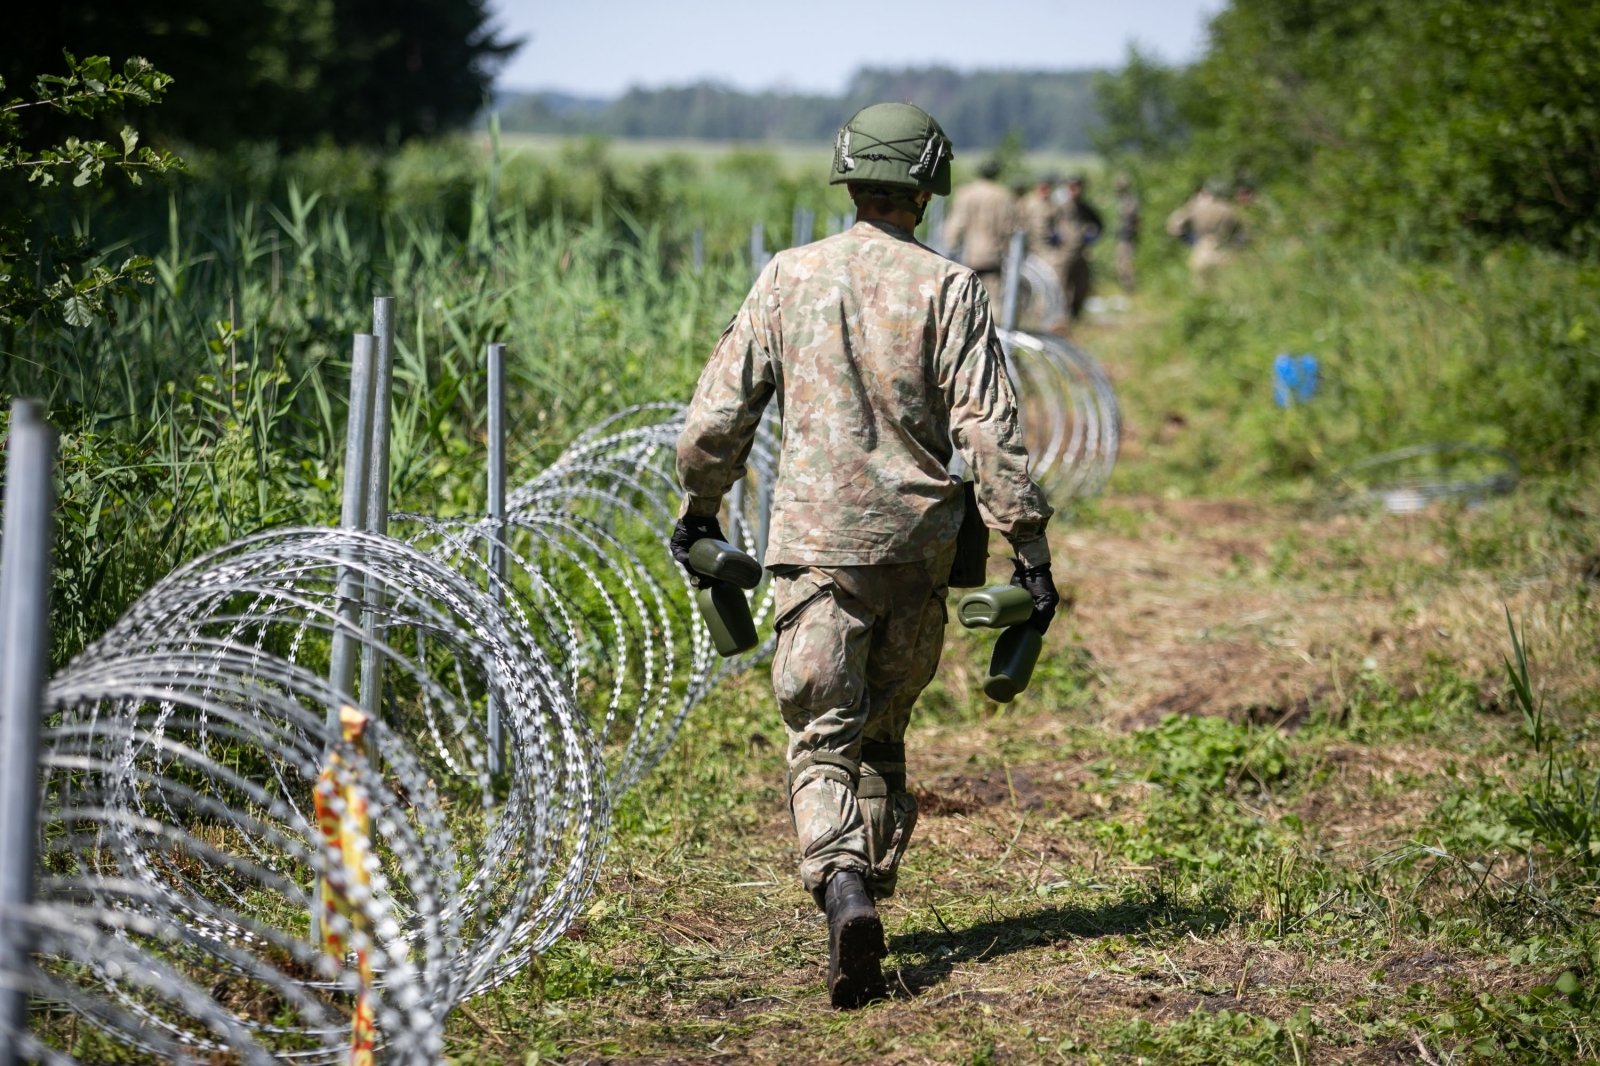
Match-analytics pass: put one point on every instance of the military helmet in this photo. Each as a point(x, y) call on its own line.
point(893, 144)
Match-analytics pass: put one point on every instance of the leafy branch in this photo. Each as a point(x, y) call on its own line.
point(78, 290)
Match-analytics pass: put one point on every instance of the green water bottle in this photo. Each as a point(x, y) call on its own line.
point(1008, 608)
point(721, 599)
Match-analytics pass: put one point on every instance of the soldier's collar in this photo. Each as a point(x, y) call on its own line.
point(890, 228)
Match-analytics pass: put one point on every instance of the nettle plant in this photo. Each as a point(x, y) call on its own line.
point(62, 276)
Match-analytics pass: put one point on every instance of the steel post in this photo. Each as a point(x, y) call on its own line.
point(377, 504)
point(1011, 280)
point(352, 515)
point(805, 221)
point(758, 247)
point(497, 523)
point(24, 656)
point(698, 249)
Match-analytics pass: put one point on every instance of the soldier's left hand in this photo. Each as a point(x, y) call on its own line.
point(1042, 589)
point(689, 529)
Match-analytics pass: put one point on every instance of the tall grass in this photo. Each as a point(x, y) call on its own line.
point(215, 405)
point(1500, 352)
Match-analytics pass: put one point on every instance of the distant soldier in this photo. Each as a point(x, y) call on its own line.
point(1127, 230)
point(1040, 216)
point(1080, 226)
point(1210, 225)
point(883, 360)
point(983, 215)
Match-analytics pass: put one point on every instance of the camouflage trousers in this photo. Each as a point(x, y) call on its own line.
point(856, 646)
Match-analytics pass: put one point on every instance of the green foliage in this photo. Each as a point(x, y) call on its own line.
point(1499, 352)
point(1206, 756)
point(1139, 110)
point(1416, 125)
point(46, 270)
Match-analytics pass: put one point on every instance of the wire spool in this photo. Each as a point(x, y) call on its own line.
point(1411, 479)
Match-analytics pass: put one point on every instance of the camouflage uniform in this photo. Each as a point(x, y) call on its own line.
point(1212, 226)
point(1041, 221)
point(983, 215)
point(1079, 225)
point(1127, 233)
point(880, 353)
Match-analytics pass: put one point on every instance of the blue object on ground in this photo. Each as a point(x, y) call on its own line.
point(1294, 378)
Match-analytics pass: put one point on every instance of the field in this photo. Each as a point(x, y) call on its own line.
point(1300, 780)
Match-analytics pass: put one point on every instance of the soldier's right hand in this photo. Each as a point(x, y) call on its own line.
point(1041, 588)
point(689, 529)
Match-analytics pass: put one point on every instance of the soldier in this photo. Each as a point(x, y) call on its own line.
point(1080, 226)
point(1210, 225)
point(1127, 230)
point(983, 215)
point(883, 358)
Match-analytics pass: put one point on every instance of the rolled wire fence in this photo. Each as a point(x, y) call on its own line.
point(319, 786)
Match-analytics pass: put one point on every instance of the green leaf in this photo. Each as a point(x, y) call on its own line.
point(77, 310)
point(1567, 983)
point(130, 140)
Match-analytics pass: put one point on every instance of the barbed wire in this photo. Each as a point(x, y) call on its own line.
point(202, 891)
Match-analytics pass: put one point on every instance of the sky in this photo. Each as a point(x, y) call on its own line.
point(604, 47)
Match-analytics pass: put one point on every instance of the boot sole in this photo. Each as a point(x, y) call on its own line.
point(857, 977)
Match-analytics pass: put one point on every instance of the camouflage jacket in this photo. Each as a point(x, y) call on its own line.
point(982, 216)
point(880, 353)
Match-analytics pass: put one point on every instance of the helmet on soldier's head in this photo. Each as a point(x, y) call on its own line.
point(893, 144)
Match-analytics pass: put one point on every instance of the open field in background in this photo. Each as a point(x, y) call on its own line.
point(1273, 797)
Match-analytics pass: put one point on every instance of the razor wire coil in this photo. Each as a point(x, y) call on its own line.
point(181, 852)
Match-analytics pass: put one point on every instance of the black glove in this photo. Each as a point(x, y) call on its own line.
point(689, 529)
point(1040, 586)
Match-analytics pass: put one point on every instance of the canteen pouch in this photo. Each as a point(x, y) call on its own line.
point(970, 567)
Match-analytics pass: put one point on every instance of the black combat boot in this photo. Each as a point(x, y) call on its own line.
point(855, 942)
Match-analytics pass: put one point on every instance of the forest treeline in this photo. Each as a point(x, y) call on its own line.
point(1039, 109)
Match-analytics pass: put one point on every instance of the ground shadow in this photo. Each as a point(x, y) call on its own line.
point(935, 953)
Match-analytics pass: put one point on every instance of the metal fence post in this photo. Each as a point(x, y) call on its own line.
point(758, 247)
point(352, 515)
point(698, 249)
point(24, 655)
point(497, 522)
point(800, 229)
point(1011, 279)
point(377, 504)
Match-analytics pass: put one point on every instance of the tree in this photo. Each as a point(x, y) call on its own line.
point(286, 71)
point(49, 272)
point(1139, 109)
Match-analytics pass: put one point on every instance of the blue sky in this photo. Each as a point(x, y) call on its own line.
point(601, 47)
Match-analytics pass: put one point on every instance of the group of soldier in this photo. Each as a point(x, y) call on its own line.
point(1060, 224)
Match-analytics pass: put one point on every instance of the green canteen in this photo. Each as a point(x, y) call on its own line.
point(722, 561)
point(727, 615)
point(995, 607)
point(1011, 665)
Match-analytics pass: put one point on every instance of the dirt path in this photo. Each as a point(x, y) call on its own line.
point(1051, 910)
